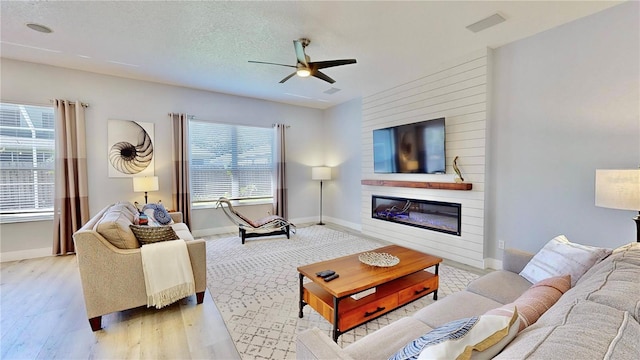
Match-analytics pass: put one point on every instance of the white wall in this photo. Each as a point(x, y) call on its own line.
point(456, 90)
point(125, 99)
point(566, 103)
point(343, 153)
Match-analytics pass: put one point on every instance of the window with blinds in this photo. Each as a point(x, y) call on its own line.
point(27, 161)
point(230, 160)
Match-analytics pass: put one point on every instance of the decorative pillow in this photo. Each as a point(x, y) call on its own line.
point(126, 205)
point(157, 213)
point(152, 234)
point(483, 336)
point(559, 257)
point(535, 300)
point(114, 226)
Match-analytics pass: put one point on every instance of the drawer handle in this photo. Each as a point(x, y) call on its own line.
point(421, 291)
point(367, 314)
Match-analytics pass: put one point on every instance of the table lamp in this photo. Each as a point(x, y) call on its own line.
point(619, 189)
point(145, 184)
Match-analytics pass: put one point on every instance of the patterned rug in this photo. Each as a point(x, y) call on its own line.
point(255, 287)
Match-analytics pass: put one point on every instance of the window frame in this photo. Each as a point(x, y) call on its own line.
point(31, 214)
point(236, 200)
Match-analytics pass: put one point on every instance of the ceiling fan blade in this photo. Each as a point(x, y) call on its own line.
point(270, 63)
point(323, 76)
point(331, 63)
point(287, 78)
point(300, 55)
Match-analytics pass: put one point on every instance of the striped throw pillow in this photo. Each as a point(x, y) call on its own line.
point(559, 257)
point(483, 336)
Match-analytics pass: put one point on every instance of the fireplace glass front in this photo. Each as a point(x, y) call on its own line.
point(433, 215)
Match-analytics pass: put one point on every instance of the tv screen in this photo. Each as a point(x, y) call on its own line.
point(411, 148)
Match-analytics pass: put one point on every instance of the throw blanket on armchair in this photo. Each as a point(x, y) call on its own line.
point(167, 270)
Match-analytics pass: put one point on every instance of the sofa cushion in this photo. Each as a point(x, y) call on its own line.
point(153, 234)
point(559, 257)
point(114, 226)
point(536, 300)
point(182, 230)
point(386, 341)
point(125, 205)
point(614, 282)
point(465, 303)
point(460, 338)
point(492, 286)
point(584, 330)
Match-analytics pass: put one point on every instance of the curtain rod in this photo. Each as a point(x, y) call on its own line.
point(286, 126)
point(71, 101)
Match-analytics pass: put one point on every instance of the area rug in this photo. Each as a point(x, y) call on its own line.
point(255, 287)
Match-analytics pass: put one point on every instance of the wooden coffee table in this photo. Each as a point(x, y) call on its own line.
point(395, 286)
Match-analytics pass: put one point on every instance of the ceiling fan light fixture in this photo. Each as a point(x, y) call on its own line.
point(303, 72)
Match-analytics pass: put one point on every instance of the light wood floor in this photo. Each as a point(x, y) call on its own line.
point(42, 316)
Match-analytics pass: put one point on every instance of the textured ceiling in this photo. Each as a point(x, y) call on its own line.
point(207, 45)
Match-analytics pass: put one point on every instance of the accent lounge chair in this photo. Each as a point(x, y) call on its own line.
point(266, 226)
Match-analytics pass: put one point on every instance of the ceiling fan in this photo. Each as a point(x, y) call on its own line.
point(305, 67)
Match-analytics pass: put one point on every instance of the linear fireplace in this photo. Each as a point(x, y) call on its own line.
point(433, 215)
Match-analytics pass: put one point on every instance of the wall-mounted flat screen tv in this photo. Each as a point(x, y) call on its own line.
point(411, 148)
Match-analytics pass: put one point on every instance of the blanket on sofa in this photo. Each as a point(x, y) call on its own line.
point(168, 275)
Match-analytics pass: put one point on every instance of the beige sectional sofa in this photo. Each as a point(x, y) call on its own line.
point(111, 265)
point(596, 319)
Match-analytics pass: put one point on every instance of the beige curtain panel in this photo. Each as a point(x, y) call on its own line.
point(71, 195)
point(280, 188)
point(181, 192)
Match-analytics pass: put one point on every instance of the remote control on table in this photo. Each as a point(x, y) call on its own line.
point(329, 278)
point(325, 273)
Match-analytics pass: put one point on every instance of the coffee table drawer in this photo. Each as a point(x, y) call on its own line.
point(371, 310)
point(418, 290)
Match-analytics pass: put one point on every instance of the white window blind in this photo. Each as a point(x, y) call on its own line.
point(230, 160)
point(27, 161)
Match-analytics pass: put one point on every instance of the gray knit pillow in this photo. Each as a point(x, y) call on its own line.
point(152, 234)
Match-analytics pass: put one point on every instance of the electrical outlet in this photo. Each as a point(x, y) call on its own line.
point(500, 244)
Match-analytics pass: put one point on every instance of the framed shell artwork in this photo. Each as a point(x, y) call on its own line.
point(130, 150)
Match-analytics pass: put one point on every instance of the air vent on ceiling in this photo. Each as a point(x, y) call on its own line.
point(487, 22)
point(332, 91)
point(39, 28)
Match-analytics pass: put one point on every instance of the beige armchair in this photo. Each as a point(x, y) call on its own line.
point(112, 277)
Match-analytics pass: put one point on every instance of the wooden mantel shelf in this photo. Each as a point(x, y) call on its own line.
point(419, 184)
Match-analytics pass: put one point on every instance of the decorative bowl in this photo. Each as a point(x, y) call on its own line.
point(378, 259)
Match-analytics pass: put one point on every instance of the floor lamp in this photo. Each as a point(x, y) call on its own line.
point(619, 189)
point(321, 173)
point(145, 184)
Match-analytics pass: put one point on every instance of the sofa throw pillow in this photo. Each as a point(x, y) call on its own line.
point(114, 227)
point(478, 337)
point(157, 213)
point(536, 300)
point(126, 205)
point(559, 257)
point(152, 234)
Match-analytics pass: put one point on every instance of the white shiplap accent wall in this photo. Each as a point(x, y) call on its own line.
point(458, 91)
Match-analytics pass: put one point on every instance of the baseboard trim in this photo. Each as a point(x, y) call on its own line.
point(347, 224)
point(298, 221)
point(25, 254)
point(490, 263)
point(215, 231)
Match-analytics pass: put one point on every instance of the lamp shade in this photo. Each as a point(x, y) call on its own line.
point(618, 189)
point(147, 183)
point(321, 173)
